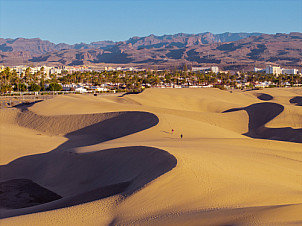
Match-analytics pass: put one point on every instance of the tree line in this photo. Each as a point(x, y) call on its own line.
point(133, 81)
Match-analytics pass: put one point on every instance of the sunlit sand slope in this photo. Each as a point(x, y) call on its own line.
point(115, 160)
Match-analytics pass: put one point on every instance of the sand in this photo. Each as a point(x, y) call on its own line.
point(110, 160)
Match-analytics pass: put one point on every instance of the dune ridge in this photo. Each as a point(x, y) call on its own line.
point(59, 125)
point(88, 129)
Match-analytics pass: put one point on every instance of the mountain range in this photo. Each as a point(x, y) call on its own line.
point(230, 51)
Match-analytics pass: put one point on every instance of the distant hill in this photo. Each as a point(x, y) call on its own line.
point(231, 51)
point(36, 46)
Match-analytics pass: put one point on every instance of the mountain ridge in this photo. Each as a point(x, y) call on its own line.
point(8, 45)
point(228, 50)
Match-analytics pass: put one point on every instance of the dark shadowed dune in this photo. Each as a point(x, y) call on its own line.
point(88, 129)
point(83, 130)
point(296, 100)
point(22, 193)
point(262, 113)
point(85, 177)
point(264, 96)
point(122, 124)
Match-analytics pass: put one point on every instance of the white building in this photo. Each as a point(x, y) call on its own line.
point(289, 71)
point(262, 84)
point(69, 87)
point(55, 71)
point(19, 69)
point(259, 69)
point(214, 69)
point(80, 90)
point(98, 89)
point(275, 70)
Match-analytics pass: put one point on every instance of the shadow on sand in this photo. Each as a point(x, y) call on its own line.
point(84, 177)
point(296, 100)
point(264, 96)
point(262, 113)
point(121, 125)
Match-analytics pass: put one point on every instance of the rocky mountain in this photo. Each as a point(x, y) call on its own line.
point(36, 46)
point(185, 40)
point(232, 51)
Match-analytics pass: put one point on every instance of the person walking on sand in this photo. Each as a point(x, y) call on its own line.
point(172, 131)
point(181, 136)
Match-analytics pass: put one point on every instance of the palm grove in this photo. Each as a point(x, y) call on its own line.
point(130, 81)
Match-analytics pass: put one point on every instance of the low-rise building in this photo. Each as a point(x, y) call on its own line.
point(55, 71)
point(259, 69)
point(214, 69)
point(262, 84)
point(289, 71)
point(98, 89)
point(80, 89)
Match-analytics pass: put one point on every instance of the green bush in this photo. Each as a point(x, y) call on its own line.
point(20, 87)
point(5, 88)
point(55, 87)
point(220, 87)
point(34, 87)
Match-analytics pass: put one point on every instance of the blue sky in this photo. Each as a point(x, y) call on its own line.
point(95, 20)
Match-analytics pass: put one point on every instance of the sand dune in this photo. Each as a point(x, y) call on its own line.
point(262, 113)
point(83, 130)
point(115, 161)
point(111, 171)
point(80, 178)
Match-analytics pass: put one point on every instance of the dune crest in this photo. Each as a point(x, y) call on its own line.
point(83, 130)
